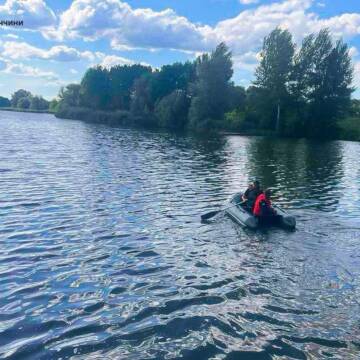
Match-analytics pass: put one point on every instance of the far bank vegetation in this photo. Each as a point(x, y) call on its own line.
point(298, 91)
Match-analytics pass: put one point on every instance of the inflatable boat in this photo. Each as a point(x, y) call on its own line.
point(243, 217)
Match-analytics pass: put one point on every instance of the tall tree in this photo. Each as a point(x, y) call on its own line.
point(274, 72)
point(323, 74)
point(172, 110)
point(121, 82)
point(54, 105)
point(172, 77)
point(70, 95)
point(140, 97)
point(141, 105)
point(17, 95)
point(95, 88)
point(211, 89)
point(237, 97)
point(38, 103)
point(24, 103)
point(355, 108)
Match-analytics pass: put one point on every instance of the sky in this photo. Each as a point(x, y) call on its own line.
point(59, 40)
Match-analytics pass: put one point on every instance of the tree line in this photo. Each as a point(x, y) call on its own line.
point(25, 100)
point(297, 91)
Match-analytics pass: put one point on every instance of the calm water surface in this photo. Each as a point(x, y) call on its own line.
point(103, 256)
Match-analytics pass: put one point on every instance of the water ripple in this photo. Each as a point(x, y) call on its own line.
point(103, 254)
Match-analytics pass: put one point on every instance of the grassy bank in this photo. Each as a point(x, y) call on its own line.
point(26, 110)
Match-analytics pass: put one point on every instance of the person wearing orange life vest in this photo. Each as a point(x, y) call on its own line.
point(263, 209)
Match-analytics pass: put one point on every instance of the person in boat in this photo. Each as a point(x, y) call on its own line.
point(250, 195)
point(263, 209)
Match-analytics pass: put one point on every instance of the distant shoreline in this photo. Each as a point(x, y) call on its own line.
point(26, 110)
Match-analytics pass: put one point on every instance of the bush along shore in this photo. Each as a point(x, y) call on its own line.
point(298, 91)
point(115, 117)
point(27, 110)
point(348, 129)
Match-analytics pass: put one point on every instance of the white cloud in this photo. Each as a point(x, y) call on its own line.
point(247, 61)
point(25, 70)
point(73, 71)
point(8, 67)
point(345, 25)
point(245, 32)
point(111, 60)
point(353, 51)
point(248, 2)
point(23, 50)
point(2, 64)
point(35, 13)
point(126, 27)
point(11, 36)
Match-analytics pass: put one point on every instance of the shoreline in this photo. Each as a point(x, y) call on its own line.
point(27, 110)
point(125, 118)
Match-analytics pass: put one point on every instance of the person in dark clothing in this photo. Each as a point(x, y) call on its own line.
point(246, 193)
point(250, 195)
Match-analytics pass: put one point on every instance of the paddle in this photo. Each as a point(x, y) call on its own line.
point(211, 214)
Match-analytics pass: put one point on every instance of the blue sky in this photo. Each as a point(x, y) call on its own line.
point(61, 39)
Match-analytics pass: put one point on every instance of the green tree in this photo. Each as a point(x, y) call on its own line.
point(121, 82)
point(4, 102)
point(141, 105)
point(211, 89)
point(273, 74)
point(17, 95)
point(237, 98)
point(172, 110)
point(172, 77)
point(256, 102)
point(95, 88)
point(39, 103)
point(323, 74)
point(70, 95)
point(140, 97)
point(54, 105)
point(24, 103)
point(43, 104)
point(355, 108)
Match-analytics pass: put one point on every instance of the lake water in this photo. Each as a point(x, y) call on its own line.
point(103, 255)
